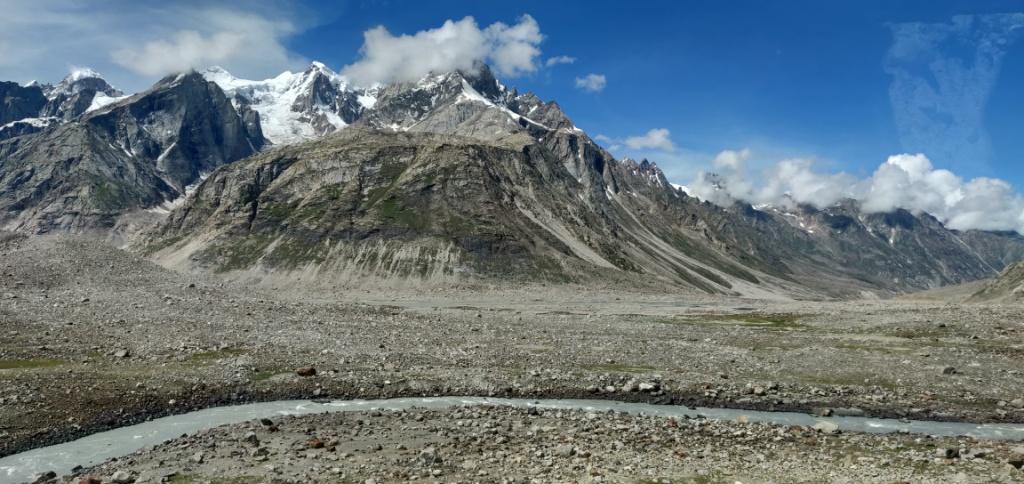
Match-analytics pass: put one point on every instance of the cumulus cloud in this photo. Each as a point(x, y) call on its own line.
point(228, 38)
point(44, 38)
point(561, 59)
point(511, 50)
point(942, 75)
point(592, 82)
point(730, 159)
point(904, 181)
point(657, 139)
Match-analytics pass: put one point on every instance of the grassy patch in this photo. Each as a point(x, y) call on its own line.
point(781, 321)
point(619, 368)
point(848, 379)
point(28, 364)
point(208, 357)
point(915, 333)
point(264, 375)
point(191, 478)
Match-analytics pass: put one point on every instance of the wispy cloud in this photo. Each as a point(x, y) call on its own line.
point(942, 75)
point(656, 139)
point(561, 59)
point(592, 82)
point(237, 40)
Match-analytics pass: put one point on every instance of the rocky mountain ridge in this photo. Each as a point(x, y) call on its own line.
point(135, 153)
point(451, 176)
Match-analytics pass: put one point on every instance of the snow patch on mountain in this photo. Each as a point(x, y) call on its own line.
point(102, 100)
point(276, 100)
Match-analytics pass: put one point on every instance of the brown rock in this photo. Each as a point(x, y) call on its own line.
point(306, 371)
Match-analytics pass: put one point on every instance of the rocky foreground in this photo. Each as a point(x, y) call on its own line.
point(94, 338)
point(494, 444)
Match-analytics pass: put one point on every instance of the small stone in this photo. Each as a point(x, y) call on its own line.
point(90, 480)
point(316, 443)
point(44, 477)
point(306, 371)
point(251, 438)
point(949, 370)
point(947, 453)
point(198, 458)
point(822, 412)
point(826, 427)
point(429, 456)
point(121, 354)
point(565, 450)
point(122, 477)
point(1017, 403)
point(648, 387)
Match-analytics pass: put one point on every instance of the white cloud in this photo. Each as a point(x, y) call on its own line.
point(232, 39)
point(731, 159)
point(657, 139)
point(44, 38)
point(905, 181)
point(561, 59)
point(603, 138)
point(511, 51)
point(592, 82)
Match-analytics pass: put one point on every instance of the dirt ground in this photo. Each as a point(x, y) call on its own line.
point(92, 337)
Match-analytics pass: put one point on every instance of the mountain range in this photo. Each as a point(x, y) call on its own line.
point(451, 177)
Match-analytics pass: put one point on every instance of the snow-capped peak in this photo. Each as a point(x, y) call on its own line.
point(320, 66)
point(79, 73)
point(294, 106)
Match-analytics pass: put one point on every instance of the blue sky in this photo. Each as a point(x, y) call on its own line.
point(784, 79)
point(807, 79)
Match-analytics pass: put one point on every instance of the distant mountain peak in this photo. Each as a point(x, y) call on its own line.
point(80, 73)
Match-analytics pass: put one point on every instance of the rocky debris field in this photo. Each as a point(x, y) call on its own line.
point(92, 338)
point(495, 444)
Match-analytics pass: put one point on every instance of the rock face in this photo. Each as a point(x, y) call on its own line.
point(136, 153)
point(454, 175)
point(1008, 286)
point(18, 102)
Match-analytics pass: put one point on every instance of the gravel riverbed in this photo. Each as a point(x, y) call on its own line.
point(93, 337)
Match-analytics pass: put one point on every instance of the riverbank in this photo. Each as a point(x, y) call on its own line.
point(95, 338)
point(500, 444)
point(119, 443)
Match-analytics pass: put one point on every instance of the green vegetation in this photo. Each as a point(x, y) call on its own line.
point(912, 333)
point(396, 212)
point(192, 478)
point(620, 368)
point(849, 379)
point(777, 321)
point(106, 196)
point(264, 375)
point(28, 364)
point(161, 244)
point(208, 357)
